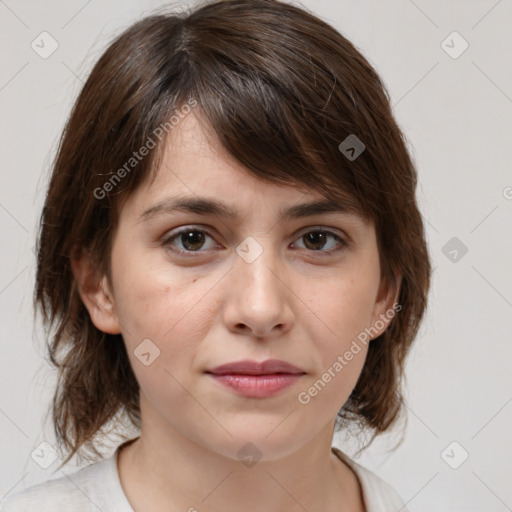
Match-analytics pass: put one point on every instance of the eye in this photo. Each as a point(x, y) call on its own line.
point(192, 240)
point(189, 240)
point(316, 240)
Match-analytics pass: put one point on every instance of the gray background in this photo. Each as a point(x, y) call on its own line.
point(456, 113)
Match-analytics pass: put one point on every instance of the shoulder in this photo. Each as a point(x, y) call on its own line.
point(378, 495)
point(85, 490)
point(57, 494)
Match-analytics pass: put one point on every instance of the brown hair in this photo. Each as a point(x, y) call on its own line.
point(281, 89)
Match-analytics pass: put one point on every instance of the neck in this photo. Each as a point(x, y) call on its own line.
point(165, 470)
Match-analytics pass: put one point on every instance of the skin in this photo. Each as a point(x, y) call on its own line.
point(210, 307)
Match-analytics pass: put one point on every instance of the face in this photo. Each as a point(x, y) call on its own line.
point(193, 289)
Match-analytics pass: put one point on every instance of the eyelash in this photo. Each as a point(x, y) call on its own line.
point(167, 241)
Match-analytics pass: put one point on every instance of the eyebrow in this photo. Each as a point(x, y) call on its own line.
point(214, 207)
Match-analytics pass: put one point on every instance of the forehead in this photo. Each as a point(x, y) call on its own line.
point(195, 174)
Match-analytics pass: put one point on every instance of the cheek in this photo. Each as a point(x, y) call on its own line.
point(341, 356)
point(143, 292)
point(164, 305)
point(166, 308)
point(339, 311)
point(343, 309)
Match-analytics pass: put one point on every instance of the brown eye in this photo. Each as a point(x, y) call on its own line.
point(192, 240)
point(315, 240)
point(188, 240)
point(318, 240)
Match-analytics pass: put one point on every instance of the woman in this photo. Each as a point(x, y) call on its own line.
point(232, 260)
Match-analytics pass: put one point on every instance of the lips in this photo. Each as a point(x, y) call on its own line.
point(252, 379)
point(248, 367)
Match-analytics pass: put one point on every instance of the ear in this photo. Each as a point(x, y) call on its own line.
point(95, 292)
point(386, 306)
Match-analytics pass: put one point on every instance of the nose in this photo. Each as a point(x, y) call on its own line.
point(258, 297)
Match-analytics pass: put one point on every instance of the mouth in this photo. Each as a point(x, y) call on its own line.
point(248, 367)
point(256, 380)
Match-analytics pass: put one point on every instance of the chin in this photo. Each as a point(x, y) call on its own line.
point(255, 442)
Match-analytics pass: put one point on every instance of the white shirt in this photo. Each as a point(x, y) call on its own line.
point(97, 487)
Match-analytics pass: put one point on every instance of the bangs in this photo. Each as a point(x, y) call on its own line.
point(274, 105)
